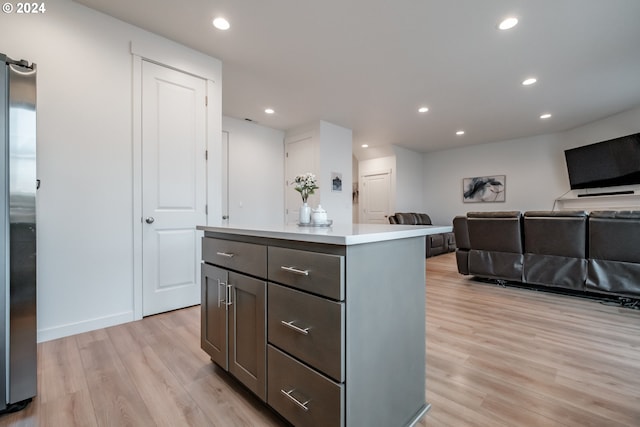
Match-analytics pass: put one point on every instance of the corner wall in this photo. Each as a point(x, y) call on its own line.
point(256, 173)
point(336, 157)
point(410, 176)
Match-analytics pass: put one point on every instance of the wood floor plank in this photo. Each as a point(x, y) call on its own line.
point(496, 357)
point(226, 403)
point(114, 396)
point(70, 410)
point(181, 360)
point(168, 402)
point(58, 373)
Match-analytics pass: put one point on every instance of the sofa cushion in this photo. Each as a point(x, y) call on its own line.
point(410, 218)
point(614, 252)
point(556, 233)
point(497, 214)
point(423, 219)
point(406, 218)
point(495, 231)
point(614, 236)
point(496, 244)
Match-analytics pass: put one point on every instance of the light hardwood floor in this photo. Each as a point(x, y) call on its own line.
point(495, 357)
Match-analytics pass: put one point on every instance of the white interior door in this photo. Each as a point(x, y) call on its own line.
point(173, 187)
point(375, 197)
point(300, 157)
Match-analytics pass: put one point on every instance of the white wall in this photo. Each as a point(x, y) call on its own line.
point(85, 162)
point(409, 180)
point(336, 157)
point(256, 173)
point(615, 126)
point(535, 168)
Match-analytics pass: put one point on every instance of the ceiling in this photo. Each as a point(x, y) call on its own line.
point(368, 65)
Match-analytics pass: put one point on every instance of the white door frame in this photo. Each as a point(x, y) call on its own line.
point(181, 59)
point(224, 198)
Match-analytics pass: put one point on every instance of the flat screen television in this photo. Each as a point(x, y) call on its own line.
point(605, 164)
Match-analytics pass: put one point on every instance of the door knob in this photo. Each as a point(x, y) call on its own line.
point(225, 216)
point(149, 220)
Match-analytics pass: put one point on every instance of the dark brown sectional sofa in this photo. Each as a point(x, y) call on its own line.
point(436, 244)
point(595, 252)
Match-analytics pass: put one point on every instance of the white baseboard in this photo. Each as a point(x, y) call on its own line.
point(84, 326)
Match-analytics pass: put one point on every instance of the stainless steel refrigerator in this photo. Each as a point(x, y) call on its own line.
point(18, 184)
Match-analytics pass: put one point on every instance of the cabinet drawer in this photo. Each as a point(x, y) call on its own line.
point(301, 395)
point(308, 327)
point(314, 272)
point(245, 257)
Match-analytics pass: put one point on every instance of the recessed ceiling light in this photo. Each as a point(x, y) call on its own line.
point(269, 111)
point(545, 116)
point(221, 23)
point(529, 81)
point(460, 132)
point(365, 145)
point(423, 109)
point(508, 23)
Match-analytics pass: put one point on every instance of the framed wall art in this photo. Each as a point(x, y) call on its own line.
point(336, 181)
point(484, 189)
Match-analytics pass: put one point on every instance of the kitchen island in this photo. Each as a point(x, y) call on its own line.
point(325, 325)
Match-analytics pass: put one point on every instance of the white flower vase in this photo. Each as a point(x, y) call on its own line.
point(305, 214)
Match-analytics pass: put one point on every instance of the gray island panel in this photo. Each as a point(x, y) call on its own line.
point(386, 333)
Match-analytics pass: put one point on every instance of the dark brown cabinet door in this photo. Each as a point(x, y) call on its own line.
point(247, 332)
point(214, 308)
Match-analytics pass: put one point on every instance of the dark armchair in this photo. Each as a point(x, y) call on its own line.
point(436, 244)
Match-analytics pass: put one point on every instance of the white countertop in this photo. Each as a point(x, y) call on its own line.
point(347, 234)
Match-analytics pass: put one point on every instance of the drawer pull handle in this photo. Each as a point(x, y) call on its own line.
point(225, 254)
point(302, 405)
point(290, 325)
point(295, 270)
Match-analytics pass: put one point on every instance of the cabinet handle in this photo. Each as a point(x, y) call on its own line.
point(229, 293)
point(290, 325)
point(221, 300)
point(225, 254)
point(295, 270)
point(302, 405)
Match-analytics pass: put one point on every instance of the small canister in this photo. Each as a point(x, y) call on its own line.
point(319, 216)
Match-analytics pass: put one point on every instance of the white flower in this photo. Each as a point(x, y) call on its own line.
point(305, 184)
